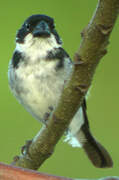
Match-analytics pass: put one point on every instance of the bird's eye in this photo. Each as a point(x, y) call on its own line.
point(27, 27)
point(52, 25)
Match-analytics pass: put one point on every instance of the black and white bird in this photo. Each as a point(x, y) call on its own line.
point(37, 73)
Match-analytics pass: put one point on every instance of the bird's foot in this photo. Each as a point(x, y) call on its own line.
point(25, 148)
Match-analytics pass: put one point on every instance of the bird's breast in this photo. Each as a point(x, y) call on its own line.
point(37, 86)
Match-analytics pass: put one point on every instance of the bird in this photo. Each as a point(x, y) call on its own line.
point(37, 74)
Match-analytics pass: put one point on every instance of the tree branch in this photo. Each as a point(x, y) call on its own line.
point(93, 47)
point(8, 172)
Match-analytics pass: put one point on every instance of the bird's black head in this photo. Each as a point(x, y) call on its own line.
point(39, 26)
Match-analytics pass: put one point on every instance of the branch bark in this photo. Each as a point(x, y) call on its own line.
point(8, 172)
point(93, 47)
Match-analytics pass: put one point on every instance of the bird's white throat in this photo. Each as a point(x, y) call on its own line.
point(35, 48)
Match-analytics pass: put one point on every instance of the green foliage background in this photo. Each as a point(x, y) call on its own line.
point(16, 125)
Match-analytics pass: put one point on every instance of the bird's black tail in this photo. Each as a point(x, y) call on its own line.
point(94, 150)
point(79, 135)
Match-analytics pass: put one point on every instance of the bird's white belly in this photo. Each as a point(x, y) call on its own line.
point(39, 98)
point(37, 92)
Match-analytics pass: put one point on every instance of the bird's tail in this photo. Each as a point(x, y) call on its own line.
point(79, 135)
point(97, 154)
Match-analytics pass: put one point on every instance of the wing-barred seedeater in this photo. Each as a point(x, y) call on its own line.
point(37, 73)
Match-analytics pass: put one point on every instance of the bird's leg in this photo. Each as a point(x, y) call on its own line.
point(47, 115)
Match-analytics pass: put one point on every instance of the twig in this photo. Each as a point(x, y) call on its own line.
point(93, 47)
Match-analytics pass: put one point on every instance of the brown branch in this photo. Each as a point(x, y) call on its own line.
point(8, 172)
point(93, 47)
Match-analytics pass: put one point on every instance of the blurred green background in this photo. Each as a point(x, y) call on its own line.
point(16, 125)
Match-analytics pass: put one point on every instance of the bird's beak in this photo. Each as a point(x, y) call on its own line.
point(41, 30)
